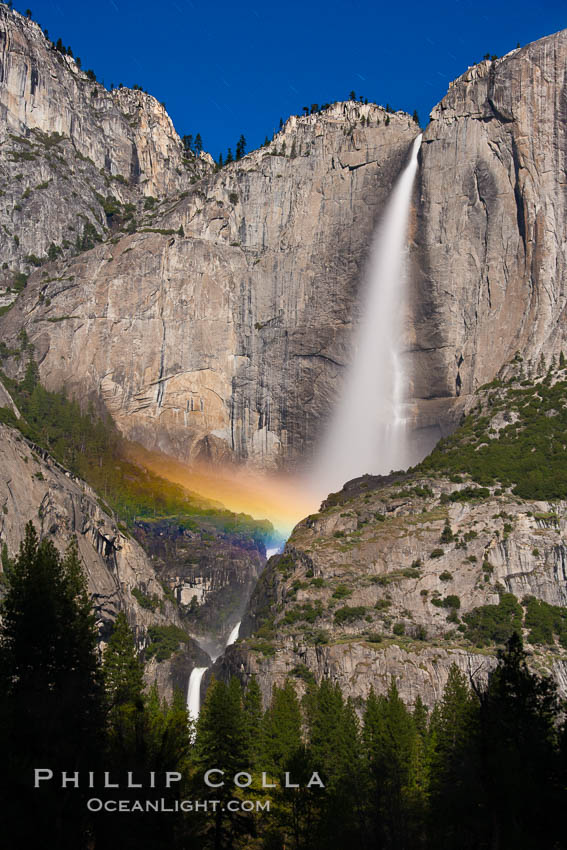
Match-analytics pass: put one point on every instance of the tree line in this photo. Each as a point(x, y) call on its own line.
point(486, 768)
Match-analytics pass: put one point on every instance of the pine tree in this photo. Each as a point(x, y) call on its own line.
point(416, 117)
point(447, 533)
point(198, 143)
point(221, 744)
point(282, 729)
point(455, 787)
point(229, 157)
point(122, 669)
point(240, 147)
point(51, 705)
point(519, 711)
point(253, 722)
point(389, 739)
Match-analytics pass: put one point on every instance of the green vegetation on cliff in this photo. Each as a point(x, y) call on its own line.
point(516, 437)
point(90, 446)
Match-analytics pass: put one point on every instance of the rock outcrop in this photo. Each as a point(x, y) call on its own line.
point(67, 145)
point(371, 588)
point(33, 486)
point(210, 572)
point(489, 251)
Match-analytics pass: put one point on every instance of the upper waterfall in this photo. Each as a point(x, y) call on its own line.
point(367, 432)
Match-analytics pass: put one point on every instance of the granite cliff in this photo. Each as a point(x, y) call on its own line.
point(489, 251)
point(72, 154)
point(214, 323)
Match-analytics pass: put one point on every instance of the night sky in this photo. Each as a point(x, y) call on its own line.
point(223, 69)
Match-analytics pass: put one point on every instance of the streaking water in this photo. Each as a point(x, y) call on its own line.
point(194, 692)
point(367, 433)
point(233, 636)
point(274, 551)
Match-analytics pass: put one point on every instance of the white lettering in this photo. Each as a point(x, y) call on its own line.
point(41, 775)
point(209, 773)
point(265, 783)
point(108, 783)
point(131, 783)
point(71, 779)
point(315, 780)
point(289, 784)
point(172, 776)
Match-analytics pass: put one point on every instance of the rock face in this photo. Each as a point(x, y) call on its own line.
point(66, 144)
point(362, 591)
point(490, 252)
point(211, 574)
point(35, 487)
point(219, 329)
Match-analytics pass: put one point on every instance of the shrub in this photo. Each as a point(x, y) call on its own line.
point(399, 629)
point(419, 633)
point(320, 637)
point(145, 601)
point(545, 621)
point(446, 576)
point(452, 601)
point(305, 612)
point(374, 637)
point(263, 646)
point(19, 281)
point(301, 671)
point(342, 592)
point(164, 641)
point(447, 533)
point(437, 553)
point(494, 623)
point(349, 615)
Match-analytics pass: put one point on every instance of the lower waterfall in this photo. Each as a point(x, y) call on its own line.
point(368, 433)
point(194, 692)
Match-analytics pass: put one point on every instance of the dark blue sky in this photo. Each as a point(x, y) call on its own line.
point(229, 68)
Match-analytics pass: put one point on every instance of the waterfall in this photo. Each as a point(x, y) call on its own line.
point(367, 433)
point(194, 692)
point(233, 636)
